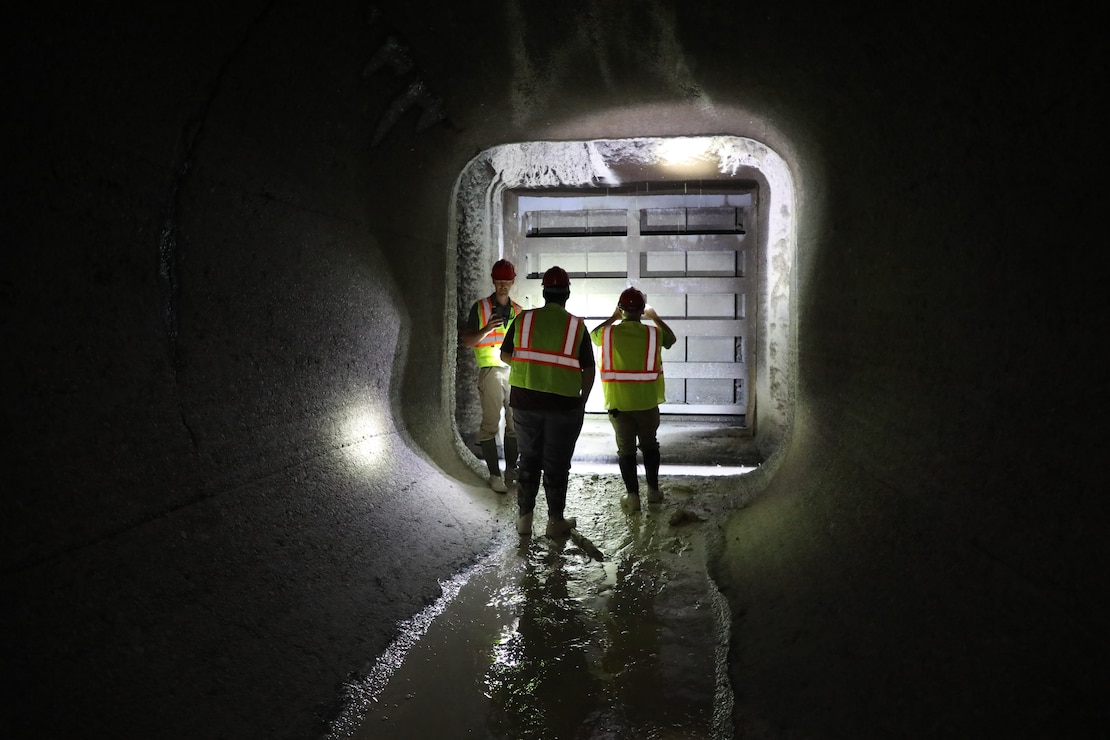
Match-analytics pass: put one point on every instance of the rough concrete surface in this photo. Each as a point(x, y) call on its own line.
point(228, 317)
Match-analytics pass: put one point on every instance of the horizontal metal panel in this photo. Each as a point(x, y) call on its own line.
point(683, 220)
point(676, 370)
point(700, 285)
point(684, 242)
point(575, 223)
point(553, 247)
point(707, 327)
point(705, 408)
point(674, 286)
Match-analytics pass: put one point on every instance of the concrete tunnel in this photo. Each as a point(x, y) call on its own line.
point(238, 239)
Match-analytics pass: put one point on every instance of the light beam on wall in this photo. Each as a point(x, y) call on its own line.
point(688, 156)
point(363, 436)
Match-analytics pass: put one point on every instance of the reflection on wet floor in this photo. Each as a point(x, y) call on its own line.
point(556, 639)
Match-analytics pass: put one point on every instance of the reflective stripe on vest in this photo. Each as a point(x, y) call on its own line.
point(648, 368)
point(568, 358)
point(545, 351)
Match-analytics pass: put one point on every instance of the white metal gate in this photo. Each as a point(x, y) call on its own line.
point(686, 248)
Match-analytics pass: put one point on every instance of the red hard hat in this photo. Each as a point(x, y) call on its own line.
point(631, 300)
point(556, 277)
point(503, 270)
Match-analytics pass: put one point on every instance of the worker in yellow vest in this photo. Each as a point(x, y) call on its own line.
point(484, 331)
point(633, 386)
point(551, 376)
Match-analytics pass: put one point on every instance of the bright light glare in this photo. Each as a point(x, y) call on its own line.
point(363, 437)
point(682, 152)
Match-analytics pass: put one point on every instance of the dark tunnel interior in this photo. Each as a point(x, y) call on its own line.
point(239, 423)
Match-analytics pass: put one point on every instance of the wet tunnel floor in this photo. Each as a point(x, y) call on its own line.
point(615, 632)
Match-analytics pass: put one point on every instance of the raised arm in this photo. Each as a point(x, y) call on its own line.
point(669, 337)
point(617, 315)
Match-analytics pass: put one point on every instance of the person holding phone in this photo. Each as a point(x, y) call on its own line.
point(484, 332)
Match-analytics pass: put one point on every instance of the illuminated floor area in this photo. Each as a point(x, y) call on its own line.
point(685, 442)
point(689, 446)
point(669, 469)
point(616, 632)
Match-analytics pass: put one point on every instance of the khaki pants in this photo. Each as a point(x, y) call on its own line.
point(493, 392)
point(630, 425)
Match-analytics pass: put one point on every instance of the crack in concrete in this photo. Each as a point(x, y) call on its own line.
point(169, 281)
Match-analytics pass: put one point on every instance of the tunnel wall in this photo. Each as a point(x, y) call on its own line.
point(214, 512)
point(230, 469)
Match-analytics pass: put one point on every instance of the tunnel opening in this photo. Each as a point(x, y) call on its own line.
point(703, 225)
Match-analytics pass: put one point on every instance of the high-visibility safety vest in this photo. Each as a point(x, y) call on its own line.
point(631, 366)
point(545, 351)
point(487, 353)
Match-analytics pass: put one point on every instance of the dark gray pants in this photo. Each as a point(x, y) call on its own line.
point(628, 427)
point(546, 441)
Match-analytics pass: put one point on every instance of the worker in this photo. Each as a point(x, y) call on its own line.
point(633, 387)
point(551, 376)
point(484, 331)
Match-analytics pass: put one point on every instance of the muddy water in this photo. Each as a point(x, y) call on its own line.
point(615, 632)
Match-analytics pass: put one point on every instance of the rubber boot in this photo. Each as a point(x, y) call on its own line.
point(527, 490)
point(627, 465)
point(556, 500)
point(560, 527)
point(526, 494)
point(651, 468)
point(631, 500)
point(557, 526)
point(510, 458)
point(489, 453)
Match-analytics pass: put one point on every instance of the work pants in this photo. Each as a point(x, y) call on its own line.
point(546, 442)
point(628, 426)
point(493, 392)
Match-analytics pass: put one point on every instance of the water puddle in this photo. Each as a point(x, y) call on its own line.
point(616, 632)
